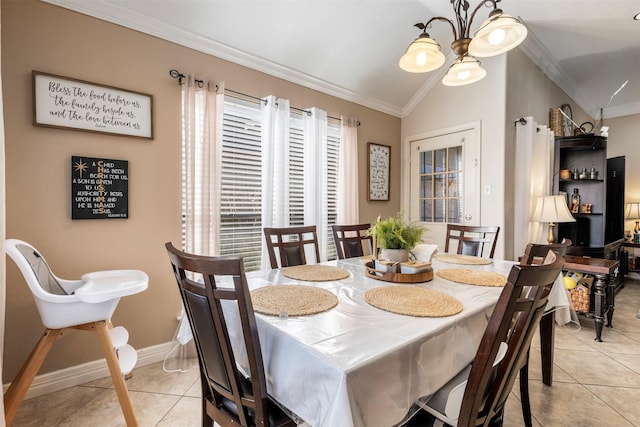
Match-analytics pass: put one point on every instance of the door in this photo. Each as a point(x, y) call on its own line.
point(445, 182)
point(614, 212)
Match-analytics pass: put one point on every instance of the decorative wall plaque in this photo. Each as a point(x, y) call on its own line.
point(378, 172)
point(62, 102)
point(99, 188)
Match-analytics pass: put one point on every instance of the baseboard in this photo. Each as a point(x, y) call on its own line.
point(90, 371)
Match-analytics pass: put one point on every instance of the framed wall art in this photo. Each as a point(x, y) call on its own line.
point(66, 103)
point(379, 158)
point(99, 188)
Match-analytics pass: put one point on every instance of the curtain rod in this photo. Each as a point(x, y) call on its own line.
point(178, 75)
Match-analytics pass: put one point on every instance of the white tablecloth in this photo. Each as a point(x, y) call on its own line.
point(356, 365)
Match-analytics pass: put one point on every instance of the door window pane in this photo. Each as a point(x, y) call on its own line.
point(425, 163)
point(441, 185)
point(425, 210)
point(440, 160)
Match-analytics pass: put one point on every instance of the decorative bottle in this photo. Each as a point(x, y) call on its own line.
point(575, 201)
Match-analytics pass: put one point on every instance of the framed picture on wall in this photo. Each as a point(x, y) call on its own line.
point(66, 103)
point(379, 159)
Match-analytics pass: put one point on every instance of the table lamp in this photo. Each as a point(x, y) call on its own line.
point(552, 209)
point(633, 213)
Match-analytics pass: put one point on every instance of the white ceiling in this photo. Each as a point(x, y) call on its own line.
point(351, 48)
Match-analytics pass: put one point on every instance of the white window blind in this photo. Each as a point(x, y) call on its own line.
point(241, 198)
point(333, 148)
point(240, 231)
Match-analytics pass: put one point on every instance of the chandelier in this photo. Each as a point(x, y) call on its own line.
point(497, 34)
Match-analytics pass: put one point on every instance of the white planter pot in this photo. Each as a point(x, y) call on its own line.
point(398, 255)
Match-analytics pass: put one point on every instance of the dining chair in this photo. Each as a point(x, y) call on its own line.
point(473, 240)
point(66, 305)
point(352, 240)
point(229, 398)
point(535, 253)
point(291, 244)
point(513, 322)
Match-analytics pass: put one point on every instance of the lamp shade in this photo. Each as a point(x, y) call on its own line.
point(422, 55)
point(463, 72)
point(498, 34)
point(552, 209)
point(632, 211)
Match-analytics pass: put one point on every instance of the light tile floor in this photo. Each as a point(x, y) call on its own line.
point(595, 384)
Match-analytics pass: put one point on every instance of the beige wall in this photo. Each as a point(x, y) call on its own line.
point(624, 134)
point(2, 237)
point(484, 101)
point(38, 36)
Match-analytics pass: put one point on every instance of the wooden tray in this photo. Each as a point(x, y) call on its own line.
point(386, 276)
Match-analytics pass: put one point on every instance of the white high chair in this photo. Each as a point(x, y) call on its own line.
point(85, 304)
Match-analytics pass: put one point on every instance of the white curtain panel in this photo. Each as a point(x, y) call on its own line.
point(533, 178)
point(202, 107)
point(315, 176)
point(275, 160)
point(348, 199)
point(276, 115)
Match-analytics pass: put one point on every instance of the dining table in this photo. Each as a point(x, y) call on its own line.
point(358, 365)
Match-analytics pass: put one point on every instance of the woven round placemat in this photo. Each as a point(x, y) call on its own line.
point(413, 301)
point(315, 273)
point(292, 300)
point(473, 277)
point(462, 259)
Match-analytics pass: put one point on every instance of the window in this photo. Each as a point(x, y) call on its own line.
point(441, 185)
point(241, 185)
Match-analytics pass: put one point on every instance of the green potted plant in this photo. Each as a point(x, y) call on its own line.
point(395, 237)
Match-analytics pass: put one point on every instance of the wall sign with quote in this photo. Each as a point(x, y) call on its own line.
point(62, 102)
point(99, 188)
point(378, 173)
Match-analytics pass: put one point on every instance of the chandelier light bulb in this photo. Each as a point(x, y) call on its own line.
point(498, 34)
point(464, 71)
point(496, 37)
point(422, 55)
point(421, 59)
point(464, 75)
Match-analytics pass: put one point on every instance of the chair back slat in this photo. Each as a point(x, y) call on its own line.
point(472, 240)
point(291, 244)
point(513, 321)
point(351, 240)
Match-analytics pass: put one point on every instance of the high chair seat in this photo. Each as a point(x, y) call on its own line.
point(86, 304)
point(64, 303)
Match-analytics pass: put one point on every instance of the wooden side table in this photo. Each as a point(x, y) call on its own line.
point(604, 270)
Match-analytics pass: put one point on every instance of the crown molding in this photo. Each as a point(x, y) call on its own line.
point(540, 55)
point(118, 15)
point(434, 78)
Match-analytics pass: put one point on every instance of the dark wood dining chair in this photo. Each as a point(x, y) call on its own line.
point(228, 397)
point(290, 242)
point(535, 253)
point(473, 240)
point(350, 240)
point(513, 322)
